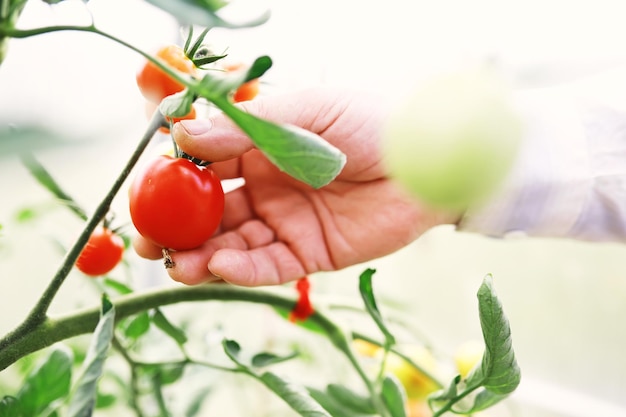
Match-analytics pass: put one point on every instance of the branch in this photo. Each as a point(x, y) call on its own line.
point(37, 316)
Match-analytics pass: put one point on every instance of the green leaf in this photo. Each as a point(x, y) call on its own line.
point(162, 322)
point(44, 178)
point(266, 359)
point(296, 151)
point(105, 400)
point(48, 382)
point(177, 105)
point(137, 326)
point(117, 286)
point(296, 396)
point(394, 396)
point(85, 390)
point(446, 394)
point(351, 399)
point(217, 86)
point(203, 13)
point(10, 407)
point(367, 294)
point(168, 374)
point(334, 406)
point(498, 374)
point(232, 350)
point(17, 139)
point(498, 371)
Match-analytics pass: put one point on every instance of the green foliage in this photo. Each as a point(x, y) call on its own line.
point(394, 396)
point(84, 392)
point(496, 376)
point(47, 383)
point(41, 174)
point(367, 294)
point(125, 320)
point(204, 13)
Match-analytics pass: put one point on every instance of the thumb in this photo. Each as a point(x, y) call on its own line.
point(215, 139)
point(218, 138)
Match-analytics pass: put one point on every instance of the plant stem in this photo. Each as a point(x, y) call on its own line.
point(11, 32)
point(37, 315)
point(53, 330)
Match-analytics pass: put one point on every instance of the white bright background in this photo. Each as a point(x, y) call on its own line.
point(566, 300)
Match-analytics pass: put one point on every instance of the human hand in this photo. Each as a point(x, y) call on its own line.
point(276, 229)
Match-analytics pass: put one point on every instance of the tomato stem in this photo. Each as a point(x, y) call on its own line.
point(53, 330)
point(38, 315)
point(11, 32)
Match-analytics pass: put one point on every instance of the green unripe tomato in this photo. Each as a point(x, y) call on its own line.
point(453, 139)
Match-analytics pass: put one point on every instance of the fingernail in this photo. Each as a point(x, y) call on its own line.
point(196, 127)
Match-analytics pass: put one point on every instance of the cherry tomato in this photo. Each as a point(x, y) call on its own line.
point(246, 91)
point(176, 204)
point(102, 253)
point(154, 83)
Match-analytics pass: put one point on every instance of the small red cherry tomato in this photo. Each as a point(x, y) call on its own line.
point(175, 203)
point(102, 253)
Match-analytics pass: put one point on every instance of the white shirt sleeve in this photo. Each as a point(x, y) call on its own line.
point(569, 180)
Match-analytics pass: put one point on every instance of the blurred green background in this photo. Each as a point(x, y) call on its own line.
point(565, 300)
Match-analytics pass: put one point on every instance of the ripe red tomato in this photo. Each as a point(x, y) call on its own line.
point(102, 253)
point(176, 204)
point(155, 84)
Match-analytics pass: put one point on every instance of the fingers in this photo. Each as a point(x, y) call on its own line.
point(248, 256)
point(219, 139)
point(270, 265)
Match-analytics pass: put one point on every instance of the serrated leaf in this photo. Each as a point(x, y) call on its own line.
point(162, 322)
point(498, 371)
point(85, 390)
point(203, 13)
point(298, 152)
point(350, 399)
point(48, 382)
point(394, 396)
point(10, 407)
point(367, 294)
point(45, 179)
point(137, 326)
point(296, 396)
point(267, 358)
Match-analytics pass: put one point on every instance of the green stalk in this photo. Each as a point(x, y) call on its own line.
point(11, 32)
point(53, 330)
point(37, 316)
